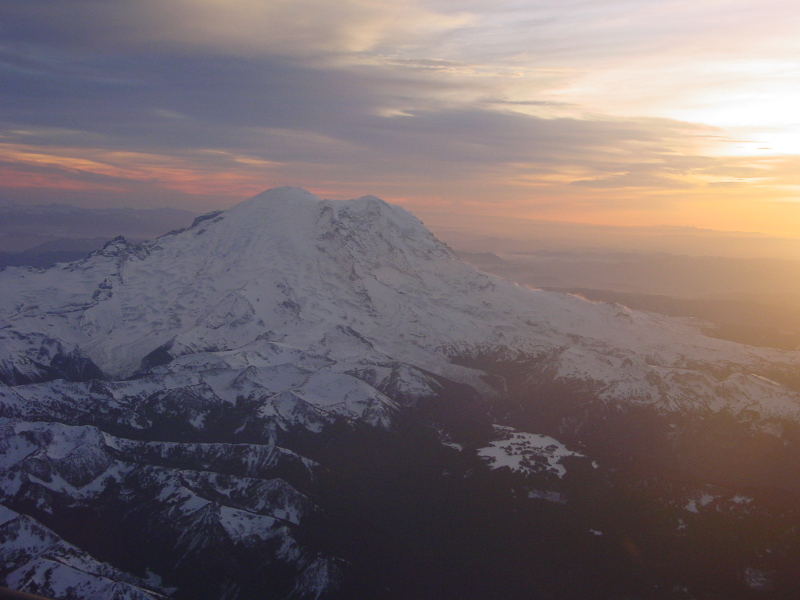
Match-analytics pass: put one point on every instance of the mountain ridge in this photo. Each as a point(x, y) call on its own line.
point(285, 265)
point(249, 376)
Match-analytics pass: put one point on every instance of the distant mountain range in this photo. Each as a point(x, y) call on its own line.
point(752, 301)
point(305, 398)
point(58, 227)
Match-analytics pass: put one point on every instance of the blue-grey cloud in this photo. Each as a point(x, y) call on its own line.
point(317, 93)
point(166, 103)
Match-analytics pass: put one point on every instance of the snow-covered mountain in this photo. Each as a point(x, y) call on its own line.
point(192, 391)
point(353, 280)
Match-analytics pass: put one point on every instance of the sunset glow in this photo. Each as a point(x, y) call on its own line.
point(614, 111)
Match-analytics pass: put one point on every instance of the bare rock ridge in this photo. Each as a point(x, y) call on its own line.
point(223, 392)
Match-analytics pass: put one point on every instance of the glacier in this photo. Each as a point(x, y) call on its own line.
point(188, 388)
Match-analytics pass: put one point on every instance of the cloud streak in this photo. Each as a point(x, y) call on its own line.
point(535, 109)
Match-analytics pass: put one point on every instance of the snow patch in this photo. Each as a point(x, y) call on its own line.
point(526, 453)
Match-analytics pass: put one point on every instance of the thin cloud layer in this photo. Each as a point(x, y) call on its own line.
point(534, 109)
point(245, 27)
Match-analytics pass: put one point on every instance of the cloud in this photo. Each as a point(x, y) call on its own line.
point(191, 122)
point(635, 180)
point(506, 106)
point(243, 27)
point(282, 110)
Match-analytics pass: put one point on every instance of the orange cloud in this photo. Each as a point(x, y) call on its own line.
point(114, 171)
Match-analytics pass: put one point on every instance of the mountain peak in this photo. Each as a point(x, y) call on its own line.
point(280, 195)
point(285, 205)
point(291, 202)
point(281, 260)
point(337, 278)
point(292, 222)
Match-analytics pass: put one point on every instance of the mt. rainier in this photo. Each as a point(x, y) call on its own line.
point(244, 395)
point(336, 278)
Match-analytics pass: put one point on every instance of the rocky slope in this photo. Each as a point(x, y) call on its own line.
point(207, 406)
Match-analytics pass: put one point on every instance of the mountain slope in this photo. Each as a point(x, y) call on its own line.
point(253, 395)
point(354, 277)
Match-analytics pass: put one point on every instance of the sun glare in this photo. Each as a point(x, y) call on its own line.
point(758, 104)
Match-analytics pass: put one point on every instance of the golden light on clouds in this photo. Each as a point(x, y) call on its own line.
point(604, 111)
point(97, 169)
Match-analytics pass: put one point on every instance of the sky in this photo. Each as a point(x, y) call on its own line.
point(620, 112)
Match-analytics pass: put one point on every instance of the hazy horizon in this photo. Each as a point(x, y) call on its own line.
point(25, 225)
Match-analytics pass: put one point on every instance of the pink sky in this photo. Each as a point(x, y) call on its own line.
point(601, 111)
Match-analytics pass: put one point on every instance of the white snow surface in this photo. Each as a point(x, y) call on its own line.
point(358, 281)
point(708, 498)
point(526, 453)
point(35, 559)
point(306, 310)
